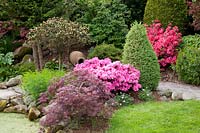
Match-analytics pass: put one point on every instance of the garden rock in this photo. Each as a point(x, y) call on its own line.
point(17, 109)
point(33, 114)
point(14, 81)
point(3, 104)
point(177, 96)
point(179, 91)
point(21, 51)
point(3, 85)
point(16, 101)
point(8, 93)
point(164, 98)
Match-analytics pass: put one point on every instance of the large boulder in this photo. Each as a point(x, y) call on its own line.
point(21, 51)
point(3, 85)
point(14, 81)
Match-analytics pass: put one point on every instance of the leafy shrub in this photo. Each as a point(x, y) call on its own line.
point(115, 75)
point(123, 99)
point(190, 40)
point(6, 68)
point(24, 67)
point(145, 95)
point(194, 10)
point(29, 13)
point(167, 11)
point(83, 97)
point(106, 51)
point(139, 53)
point(188, 64)
point(106, 21)
point(59, 34)
point(11, 36)
point(36, 82)
point(53, 65)
point(164, 42)
point(136, 8)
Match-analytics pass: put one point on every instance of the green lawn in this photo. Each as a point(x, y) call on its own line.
point(157, 117)
point(17, 123)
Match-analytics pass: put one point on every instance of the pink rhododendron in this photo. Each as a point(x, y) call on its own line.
point(164, 42)
point(115, 75)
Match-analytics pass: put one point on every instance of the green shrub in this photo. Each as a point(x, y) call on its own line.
point(167, 11)
point(6, 68)
point(36, 82)
point(139, 53)
point(188, 65)
point(190, 40)
point(106, 51)
point(24, 67)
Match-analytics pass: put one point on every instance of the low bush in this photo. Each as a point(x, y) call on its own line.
point(165, 42)
point(106, 51)
point(145, 95)
point(191, 40)
point(115, 75)
point(6, 68)
point(139, 53)
point(188, 65)
point(83, 96)
point(36, 82)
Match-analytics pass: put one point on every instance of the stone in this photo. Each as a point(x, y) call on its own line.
point(188, 96)
point(3, 85)
point(177, 96)
point(17, 109)
point(8, 93)
point(16, 101)
point(33, 113)
point(14, 81)
point(164, 98)
point(32, 104)
point(27, 99)
point(21, 51)
point(167, 93)
point(3, 104)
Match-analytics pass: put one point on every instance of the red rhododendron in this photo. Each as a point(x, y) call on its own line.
point(164, 42)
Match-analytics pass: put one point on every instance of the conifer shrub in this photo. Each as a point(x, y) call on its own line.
point(139, 53)
point(106, 51)
point(188, 61)
point(167, 11)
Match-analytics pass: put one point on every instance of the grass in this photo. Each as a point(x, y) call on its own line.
point(157, 117)
point(17, 123)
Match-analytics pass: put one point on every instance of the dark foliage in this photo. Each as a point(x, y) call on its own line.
point(82, 96)
point(194, 10)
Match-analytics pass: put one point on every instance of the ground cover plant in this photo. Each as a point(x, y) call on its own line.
point(175, 117)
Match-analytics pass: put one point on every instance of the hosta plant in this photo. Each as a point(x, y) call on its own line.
point(165, 42)
point(115, 75)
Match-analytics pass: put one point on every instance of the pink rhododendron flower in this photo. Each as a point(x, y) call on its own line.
point(115, 75)
point(164, 42)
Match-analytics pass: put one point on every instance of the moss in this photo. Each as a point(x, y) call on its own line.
point(139, 53)
point(167, 11)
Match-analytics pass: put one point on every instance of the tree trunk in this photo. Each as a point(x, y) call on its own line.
point(35, 56)
point(40, 56)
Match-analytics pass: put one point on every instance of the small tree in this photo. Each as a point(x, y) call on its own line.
point(59, 34)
